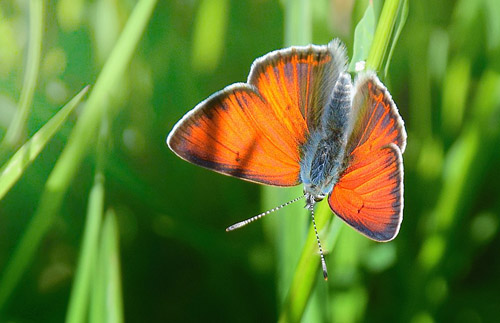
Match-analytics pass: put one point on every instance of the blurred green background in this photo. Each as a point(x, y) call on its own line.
point(176, 262)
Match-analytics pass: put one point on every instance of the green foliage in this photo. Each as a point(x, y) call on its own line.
point(121, 229)
point(363, 37)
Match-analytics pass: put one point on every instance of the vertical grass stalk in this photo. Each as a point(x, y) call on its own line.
point(307, 271)
point(80, 293)
point(106, 297)
point(383, 33)
point(77, 309)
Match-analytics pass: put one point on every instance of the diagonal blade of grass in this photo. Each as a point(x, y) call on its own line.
point(80, 140)
point(14, 168)
point(106, 298)
point(16, 128)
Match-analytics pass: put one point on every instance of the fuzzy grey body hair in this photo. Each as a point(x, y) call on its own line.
point(324, 152)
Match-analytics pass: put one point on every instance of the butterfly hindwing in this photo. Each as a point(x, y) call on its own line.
point(369, 193)
point(254, 130)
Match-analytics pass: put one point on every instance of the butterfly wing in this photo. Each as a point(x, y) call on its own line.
point(369, 193)
point(254, 130)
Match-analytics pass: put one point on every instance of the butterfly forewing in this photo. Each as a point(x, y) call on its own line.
point(234, 133)
point(298, 81)
point(377, 120)
point(369, 193)
point(254, 130)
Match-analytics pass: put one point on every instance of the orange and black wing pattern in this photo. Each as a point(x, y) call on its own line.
point(369, 193)
point(254, 130)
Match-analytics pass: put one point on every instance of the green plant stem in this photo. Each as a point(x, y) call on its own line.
point(79, 142)
point(16, 128)
point(382, 37)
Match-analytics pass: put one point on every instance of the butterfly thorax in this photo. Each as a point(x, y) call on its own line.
point(323, 154)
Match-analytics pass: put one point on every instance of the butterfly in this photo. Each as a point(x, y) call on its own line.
point(300, 119)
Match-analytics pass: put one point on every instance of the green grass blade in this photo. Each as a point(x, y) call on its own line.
point(402, 21)
point(106, 302)
point(209, 34)
point(363, 37)
point(308, 269)
point(382, 37)
point(455, 94)
point(14, 168)
point(80, 294)
point(78, 302)
point(16, 128)
point(298, 22)
point(79, 142)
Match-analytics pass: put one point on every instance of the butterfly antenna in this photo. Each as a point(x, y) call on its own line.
point(247, 221)
point(323, 262)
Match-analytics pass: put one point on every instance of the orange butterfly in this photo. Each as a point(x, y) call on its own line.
point(300, 119)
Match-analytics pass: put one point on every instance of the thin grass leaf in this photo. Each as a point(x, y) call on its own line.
point(382, 37)
point(15, 167)
point(79, 142)
point(14, 132)
point(403, 15)
point(308, 270)
point(80, 293)
point(79, 298)
point(467, 163)
point(363, 37)
point(106, 302)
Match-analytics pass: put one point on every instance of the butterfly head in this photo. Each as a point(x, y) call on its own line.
point(312, 195)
